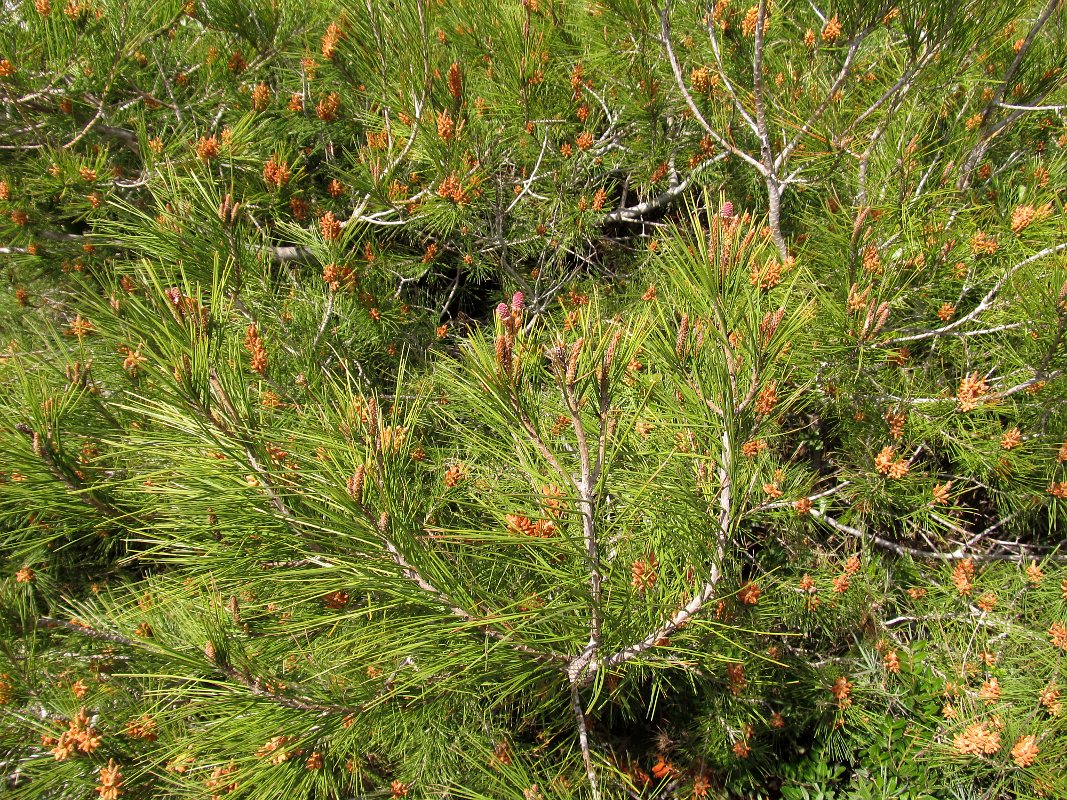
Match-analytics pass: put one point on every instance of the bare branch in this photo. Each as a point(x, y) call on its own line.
point(680, 80)
point(662, 200)
point(774, 190)
point(583, 740)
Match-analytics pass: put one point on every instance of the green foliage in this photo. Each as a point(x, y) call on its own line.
point(567, 399)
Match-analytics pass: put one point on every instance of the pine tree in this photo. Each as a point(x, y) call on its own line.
point(563, 399)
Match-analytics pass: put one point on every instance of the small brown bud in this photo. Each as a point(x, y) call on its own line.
point(355, 483)
point(455, 81)
point(572, 362)
point(683, 334)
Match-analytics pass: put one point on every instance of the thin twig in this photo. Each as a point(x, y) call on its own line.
point(984, 304)
point(325, 319)
point(958, 554)
point(583, 739)
point(770, 177)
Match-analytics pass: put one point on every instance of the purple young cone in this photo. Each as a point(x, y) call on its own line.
point(502, 311)
point(727, 210)
point(517, 302)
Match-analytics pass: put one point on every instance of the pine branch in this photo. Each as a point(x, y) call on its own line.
point(85, 630)
point(770, 176)
point(415, 576)
point(958, 554)
point(722, 72)
point(853, 50)
point(474, 623)
point(707, 591)
point(253, 684)
point(664, 200)
point(583, 739)
point(258, 687)
point(587, 498)
point(989, 128)
point(983, 305)
point(42, 446)
point(679, 79)
point(292, 521)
